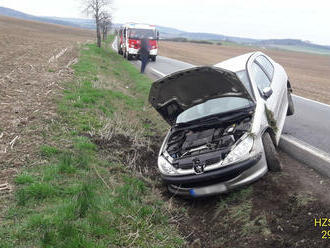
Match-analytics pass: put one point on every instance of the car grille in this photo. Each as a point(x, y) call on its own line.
point(207, 162)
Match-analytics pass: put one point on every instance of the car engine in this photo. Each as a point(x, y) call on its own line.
point(210, 143)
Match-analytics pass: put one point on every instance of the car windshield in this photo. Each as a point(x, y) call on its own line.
point(212, 107)
point(243, 76)
point(141, 33)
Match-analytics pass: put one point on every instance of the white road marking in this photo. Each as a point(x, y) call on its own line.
point(310, 100)
point(158, 72)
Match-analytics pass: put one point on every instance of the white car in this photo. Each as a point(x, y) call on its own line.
point(226, 121)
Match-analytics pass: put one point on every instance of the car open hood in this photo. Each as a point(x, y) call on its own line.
point(179, 91)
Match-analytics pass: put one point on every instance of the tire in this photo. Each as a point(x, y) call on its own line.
point(290, 104)
point(272, 156)
point(129, 56)
point(153, 58)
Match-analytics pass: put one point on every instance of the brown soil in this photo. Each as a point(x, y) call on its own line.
point(139, 158)
point(277, 197)
point(34, 59)
point(308, 73)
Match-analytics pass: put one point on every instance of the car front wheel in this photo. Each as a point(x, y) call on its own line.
point(272, 156)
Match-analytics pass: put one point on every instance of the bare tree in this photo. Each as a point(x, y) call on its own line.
point(106, 22)
point(98, 9)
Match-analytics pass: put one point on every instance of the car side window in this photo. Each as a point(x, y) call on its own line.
point(259, 76)
point(266, 65)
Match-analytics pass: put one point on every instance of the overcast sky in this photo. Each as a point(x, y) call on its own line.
point(301, 19)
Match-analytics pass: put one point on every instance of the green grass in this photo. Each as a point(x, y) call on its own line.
point(303, 198)
point(235, 212)
point(77, 197)
point(48, 151)
point(24, 179)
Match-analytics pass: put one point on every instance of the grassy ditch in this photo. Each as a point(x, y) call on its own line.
point(93, 188)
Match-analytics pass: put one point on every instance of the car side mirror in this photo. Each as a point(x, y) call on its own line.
point(157, 35)
point(267, 92)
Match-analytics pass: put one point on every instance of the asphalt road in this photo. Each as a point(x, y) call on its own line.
point(310, 123)
point(164, 66)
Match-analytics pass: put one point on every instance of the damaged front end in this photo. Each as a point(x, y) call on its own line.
point(211, 116)
point(215, 143)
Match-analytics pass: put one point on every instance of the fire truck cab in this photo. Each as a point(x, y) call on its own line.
point(129, 40)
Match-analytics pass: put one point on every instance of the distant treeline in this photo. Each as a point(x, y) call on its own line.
point(180, 39)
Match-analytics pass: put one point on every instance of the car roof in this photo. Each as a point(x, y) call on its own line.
point(235, 64)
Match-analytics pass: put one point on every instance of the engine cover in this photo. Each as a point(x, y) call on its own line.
point(195, 139)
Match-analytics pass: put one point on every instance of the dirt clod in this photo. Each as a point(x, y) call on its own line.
point(142, 158)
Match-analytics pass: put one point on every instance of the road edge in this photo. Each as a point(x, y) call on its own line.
point(305, 153)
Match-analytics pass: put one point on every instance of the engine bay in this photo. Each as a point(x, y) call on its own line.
point(209, 143)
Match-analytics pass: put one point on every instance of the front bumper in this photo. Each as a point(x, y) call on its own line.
point(220, 180)
point(133, 51)
point(153, 52)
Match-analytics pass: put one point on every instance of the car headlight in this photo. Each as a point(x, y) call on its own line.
point(240, 152)
point(165, 167)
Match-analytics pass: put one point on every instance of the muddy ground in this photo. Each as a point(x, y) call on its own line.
point(308, 73)
point(34, 59)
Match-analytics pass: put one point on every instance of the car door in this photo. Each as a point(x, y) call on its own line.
point(265, 76)
point(278, 85)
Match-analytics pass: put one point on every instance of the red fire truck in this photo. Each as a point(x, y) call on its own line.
point(129, 39)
